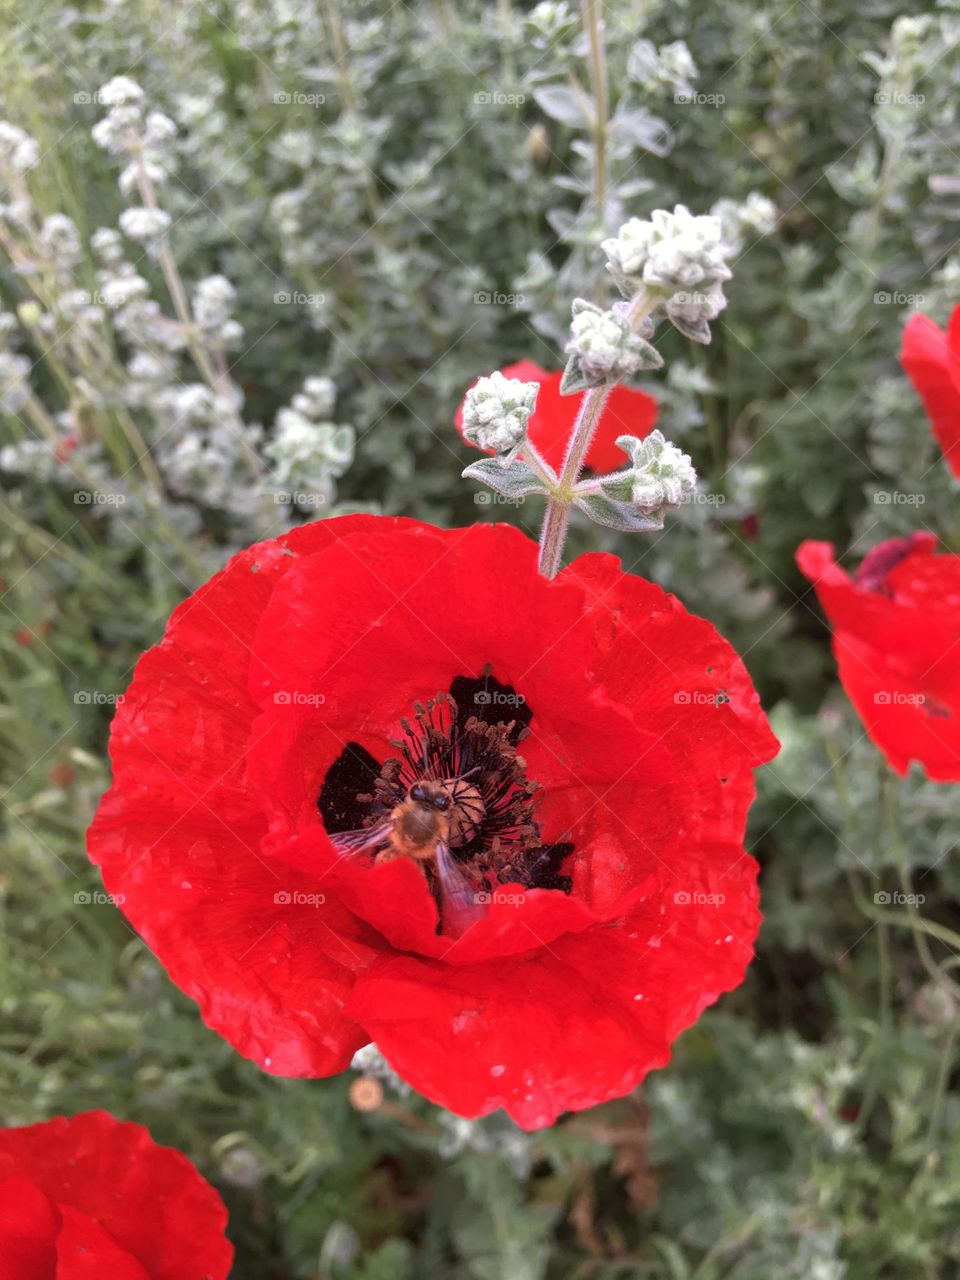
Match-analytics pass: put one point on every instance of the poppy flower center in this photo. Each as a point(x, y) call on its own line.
point(454, 792)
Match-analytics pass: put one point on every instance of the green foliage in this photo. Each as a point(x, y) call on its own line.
point(427, 186)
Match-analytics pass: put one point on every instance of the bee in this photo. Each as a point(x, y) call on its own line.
point(434, 817)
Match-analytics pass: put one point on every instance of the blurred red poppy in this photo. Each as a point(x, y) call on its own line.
point(896, 638)
point(931, 358)
point(90, 1197)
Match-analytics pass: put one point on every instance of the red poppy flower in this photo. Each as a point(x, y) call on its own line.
point(897, 643)
point(627, 412)
point(537, 943)
point(931, 358)
point(88, 1197)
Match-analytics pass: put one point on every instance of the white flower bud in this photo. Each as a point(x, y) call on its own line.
point(661, 474)
point(18, 151)
point(496, 411)
point(605, 347)
point(60, 238)
point(670, 251)
point(213, 301)
point(144, 225)
point(120, 91)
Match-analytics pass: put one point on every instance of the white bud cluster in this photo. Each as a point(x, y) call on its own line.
point(661, 474)
point(18, 151)
point(496, 411)
point(308, 453)
point(213, 302)
point(673, 253)
point(146, 226)
point(605, 347)
point(129, 129)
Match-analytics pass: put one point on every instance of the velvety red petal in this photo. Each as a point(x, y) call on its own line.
point(149, 1199)
point(933, 366)
point(28, 1228)
point(576, 1023)
point(896, 644)
point(86, 1252)
point(899, 712)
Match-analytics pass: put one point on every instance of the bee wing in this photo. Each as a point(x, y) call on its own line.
point(458, 896)
point(362, 839)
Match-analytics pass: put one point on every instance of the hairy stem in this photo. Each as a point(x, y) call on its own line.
point(554, 531)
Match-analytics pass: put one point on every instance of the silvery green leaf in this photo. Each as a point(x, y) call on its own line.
point(512, 479)
point(618, 486)
point(638, 128)
point(561, 102)
point(617, 515)
point(573, 379)
point(696, 330)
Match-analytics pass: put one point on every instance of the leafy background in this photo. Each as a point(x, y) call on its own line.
point(430, 219)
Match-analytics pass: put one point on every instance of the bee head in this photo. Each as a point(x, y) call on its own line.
point(428, 793)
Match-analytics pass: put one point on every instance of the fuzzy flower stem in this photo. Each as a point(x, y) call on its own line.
point(554, 531)
point(178, 295)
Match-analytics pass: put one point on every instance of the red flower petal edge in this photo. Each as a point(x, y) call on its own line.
point(92, 1196)
point(896, 639)
point(611, 904)
point(628, 412)
point(931, 358)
